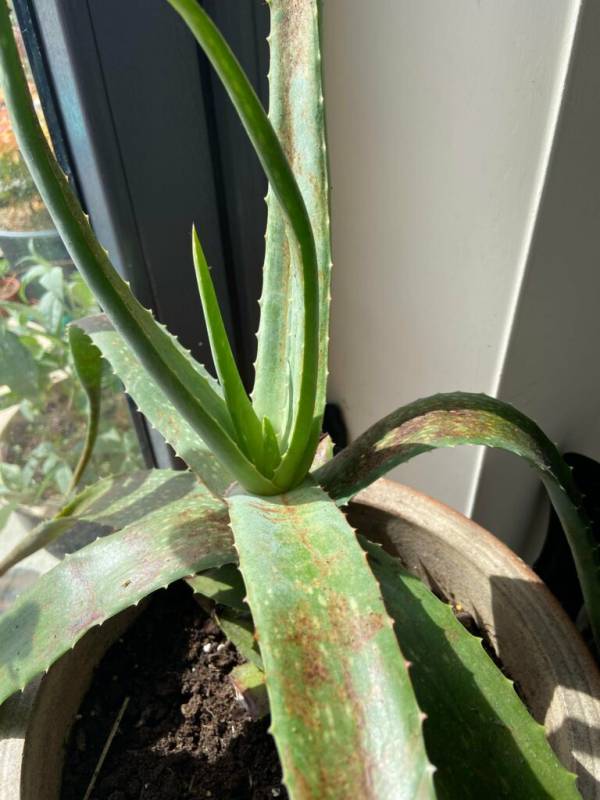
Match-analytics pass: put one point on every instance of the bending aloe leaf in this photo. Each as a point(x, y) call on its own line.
point(245, 421)
point(447, 420)
point(155, 404)
point(474, 716)
point(88, 366)
point(190, 393)
point(283, 183)
point(104, 508)
point(296, 112)
point(343, 712)
point(106, 577)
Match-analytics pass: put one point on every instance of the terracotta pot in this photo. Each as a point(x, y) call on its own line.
point(533, 636)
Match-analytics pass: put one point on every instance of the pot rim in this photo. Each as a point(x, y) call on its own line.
point(398, 499)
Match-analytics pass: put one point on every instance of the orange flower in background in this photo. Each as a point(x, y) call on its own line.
point(8, 142)
point(21, 207)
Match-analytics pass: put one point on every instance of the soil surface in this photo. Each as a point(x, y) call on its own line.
point(183, 735)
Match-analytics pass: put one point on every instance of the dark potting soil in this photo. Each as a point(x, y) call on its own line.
point(183, 735)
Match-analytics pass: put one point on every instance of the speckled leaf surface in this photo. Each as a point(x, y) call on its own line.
point(474, 716)
point(103, 508)
point(177, 539)
point(448, 420)
point(343, 711)
point(296, 112)
point(154, 404)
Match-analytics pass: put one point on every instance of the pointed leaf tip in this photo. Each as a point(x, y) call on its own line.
point(246, 423)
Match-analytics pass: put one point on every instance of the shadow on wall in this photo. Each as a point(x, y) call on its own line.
point(551, 369)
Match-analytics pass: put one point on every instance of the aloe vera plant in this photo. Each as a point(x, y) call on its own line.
point(256, 521)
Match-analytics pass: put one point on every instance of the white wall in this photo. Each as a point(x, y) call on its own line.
point(451, 258)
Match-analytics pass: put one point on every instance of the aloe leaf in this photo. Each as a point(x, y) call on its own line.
point(155, 405)
point(189, 391)
point(447, 420)
point(250, 687)
point(245, 421)
point(239, 629)
point(296, 112)
point(343, 712)
point(103, 508)
point(88, 366)
point(474, 716)
point(225, 587)
point(271, 453)
point(324, 452)
point(283, 183)
point(88, 587)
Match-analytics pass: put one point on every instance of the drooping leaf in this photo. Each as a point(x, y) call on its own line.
point(103, 508)
point(188, 389)
point(245, 421)
point(448, 420)
point(478, 733)
point(88, 366)
point(304, 432)
point(296, 112)
point(93, 584)
point(155, 405)
point(343, 712)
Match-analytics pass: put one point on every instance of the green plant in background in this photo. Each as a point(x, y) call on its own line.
point(41, 441)
point(262, 496)
point(16, 181)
